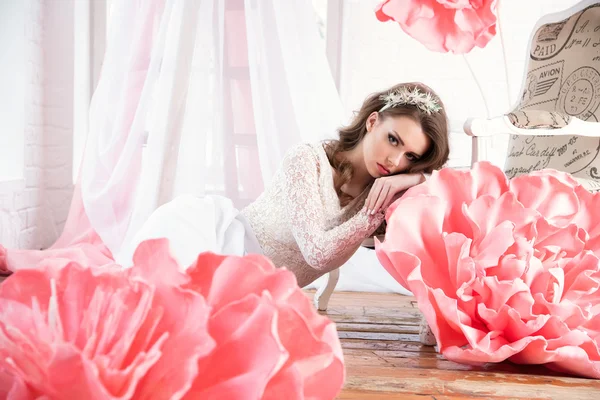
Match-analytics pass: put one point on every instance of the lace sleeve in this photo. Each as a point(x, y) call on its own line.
point(321, 248)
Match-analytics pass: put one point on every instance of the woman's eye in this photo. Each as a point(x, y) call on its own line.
point(392, 140)
point(411, 157)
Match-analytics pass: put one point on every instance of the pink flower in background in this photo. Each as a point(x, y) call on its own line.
point(230, 327)
point(502, 270)
point(443, 25)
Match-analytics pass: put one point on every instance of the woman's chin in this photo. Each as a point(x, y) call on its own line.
point(374, 173)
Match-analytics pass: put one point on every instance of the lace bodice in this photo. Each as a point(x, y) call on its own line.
point(299, 222)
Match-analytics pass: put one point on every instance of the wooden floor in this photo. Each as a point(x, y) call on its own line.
point(384, 360)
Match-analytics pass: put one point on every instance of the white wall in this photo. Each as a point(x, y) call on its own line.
point(376, 55)
point(33, 209)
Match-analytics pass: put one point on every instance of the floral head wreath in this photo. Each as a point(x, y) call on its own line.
point(403, 96)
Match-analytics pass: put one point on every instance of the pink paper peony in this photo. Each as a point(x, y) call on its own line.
point(230, 327)
point(271, 342)
point(502, 270)
point(443, 25)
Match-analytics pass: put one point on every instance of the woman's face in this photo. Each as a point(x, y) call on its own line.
point(393, 144)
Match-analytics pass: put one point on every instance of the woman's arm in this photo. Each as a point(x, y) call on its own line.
point(388, 189)
point(322, 249)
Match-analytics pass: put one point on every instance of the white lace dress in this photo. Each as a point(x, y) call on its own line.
point(297, 222)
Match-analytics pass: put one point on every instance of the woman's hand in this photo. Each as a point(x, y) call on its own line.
point(385, 190)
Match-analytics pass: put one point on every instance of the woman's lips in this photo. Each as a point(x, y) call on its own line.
point(382, 170)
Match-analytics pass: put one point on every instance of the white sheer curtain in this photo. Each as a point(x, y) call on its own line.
point(200, 97)
point(292, 87)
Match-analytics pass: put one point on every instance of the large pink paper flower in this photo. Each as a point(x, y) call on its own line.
point(443, 25)
point(266, 327)
point(230, 327)
point(71, 332)
point(502, 270)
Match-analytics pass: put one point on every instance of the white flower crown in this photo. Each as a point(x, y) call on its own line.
point(423, 101)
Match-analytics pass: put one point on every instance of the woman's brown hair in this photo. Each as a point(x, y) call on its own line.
point(435, 126)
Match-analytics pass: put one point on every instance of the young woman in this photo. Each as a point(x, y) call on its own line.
point(327, 197)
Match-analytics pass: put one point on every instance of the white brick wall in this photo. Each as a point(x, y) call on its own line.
point(33, 211)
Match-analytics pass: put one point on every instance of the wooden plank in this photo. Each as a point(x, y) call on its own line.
point(388, 318)
point(386, 345)
point(431, 359)
point(404, 337)
point(466, 384)
point(528, 374)
point(387, 300)
point(390, 355)
point(377, 328)
point(384, 313)
point(354, 394)
point(366, 359)
point(418, 360)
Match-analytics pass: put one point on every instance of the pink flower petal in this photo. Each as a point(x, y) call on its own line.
point(417, 219)
point(397, 263)
point(461, 267)
point(490, 250)
point(446, 330)
point(562, 176)
point(311, 361)
point(457, 188)
point(552, 239)
point(509, 268)
point(185, 317)
point(581, 276)
point(486, 212)
point(443, 25)
point(489, 353)
point(13, 388)
point(201, 273)
point(587, 217)
point(457, 4)
point(248, 351)
point(548, 195)
point(508, 321)
point(257, 280)
point(154, 263)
